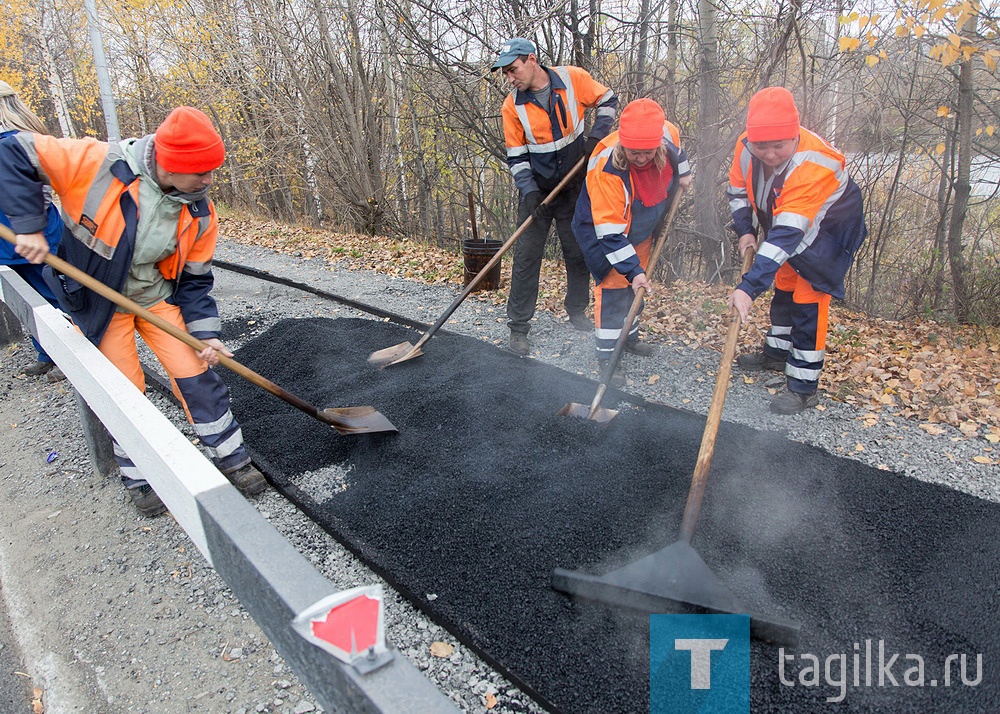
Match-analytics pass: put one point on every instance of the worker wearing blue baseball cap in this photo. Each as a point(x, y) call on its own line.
point(543, 123)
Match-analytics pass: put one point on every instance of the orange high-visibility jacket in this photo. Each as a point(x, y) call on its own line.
point(810, 210)
point(609, 221)
point(543, 145)
point(99, 194)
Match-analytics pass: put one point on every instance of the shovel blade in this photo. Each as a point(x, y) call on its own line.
point(583, 411)
point(394, 355)
point(357, 420)
point(671, 577)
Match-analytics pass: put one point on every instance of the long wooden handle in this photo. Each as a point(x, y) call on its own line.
point(484, 271)
point(697, 491)
point(123, 302)
point(616, 355)
point(472, 216)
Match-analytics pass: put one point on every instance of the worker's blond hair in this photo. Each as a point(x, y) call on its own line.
point(620, 162)
point(15, 115)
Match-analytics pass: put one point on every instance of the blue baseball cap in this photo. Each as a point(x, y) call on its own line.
point(512, 49)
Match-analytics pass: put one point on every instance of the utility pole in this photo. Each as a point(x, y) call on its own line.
point(103, 78)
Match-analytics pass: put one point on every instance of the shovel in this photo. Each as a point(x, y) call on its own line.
point(406, 351)
point(346, 420)
point(676, 573)
point(594, 412)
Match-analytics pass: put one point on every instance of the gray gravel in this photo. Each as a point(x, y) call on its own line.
point(114, 613)
point(679, 377)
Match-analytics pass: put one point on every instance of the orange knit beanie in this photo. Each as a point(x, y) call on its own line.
point(641, 125)
point(772, 116)
point(187, 143)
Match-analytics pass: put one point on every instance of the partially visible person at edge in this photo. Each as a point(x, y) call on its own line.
point(137, 218)
point(631, 180)
point(15, 116)
point(791, 188)
point(543, 123)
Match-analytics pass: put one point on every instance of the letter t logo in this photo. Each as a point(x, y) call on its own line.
point(701, 659)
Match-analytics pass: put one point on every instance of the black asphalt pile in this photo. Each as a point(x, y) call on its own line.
point(485, 491)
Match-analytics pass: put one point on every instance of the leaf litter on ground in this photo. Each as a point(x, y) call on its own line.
point(928, 372)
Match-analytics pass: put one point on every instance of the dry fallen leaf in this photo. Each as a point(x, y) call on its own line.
point(982, 459)
point(968, 427)
point(36, 702)
point(653, 379)
point(491, 700)
point(919, 370)
point(441, 649)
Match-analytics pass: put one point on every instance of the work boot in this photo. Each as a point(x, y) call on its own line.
point(759, 361)
point(37, 368)
point(519, 343)
point(581, 322)
point(787, 402)
point(618, 376)
point(56, 375)
point(146, 500)
point(642, 349)
point(248, 479)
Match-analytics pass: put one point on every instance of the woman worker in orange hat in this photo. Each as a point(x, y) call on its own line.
point(789, 190)
point(631, 177)
point(137, 217)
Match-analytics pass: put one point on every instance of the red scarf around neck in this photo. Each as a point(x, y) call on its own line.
point(650, 185)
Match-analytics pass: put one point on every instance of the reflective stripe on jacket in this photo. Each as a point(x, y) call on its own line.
point(812, 215)
point(99, 197)
point(544, 144)
point(607, 210)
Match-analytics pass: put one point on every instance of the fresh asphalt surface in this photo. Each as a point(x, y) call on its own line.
point(485, 491)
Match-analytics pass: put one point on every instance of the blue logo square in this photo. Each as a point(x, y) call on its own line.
point(699, 663)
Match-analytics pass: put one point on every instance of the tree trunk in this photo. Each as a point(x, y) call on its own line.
point(315, 199)
point(56, 88)
point(940, 249)
point(640, 55)
point(707, 199)
point(670, 97)
point(963, 186)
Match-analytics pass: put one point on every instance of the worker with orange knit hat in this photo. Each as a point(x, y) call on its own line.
point(792, 198)
point(631, 178)
point(137, 217)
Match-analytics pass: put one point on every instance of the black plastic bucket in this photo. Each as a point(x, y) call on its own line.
point(477, 254)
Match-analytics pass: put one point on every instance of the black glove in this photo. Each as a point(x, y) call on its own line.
point(543, 213)
point(532, 200)
point(589, 145)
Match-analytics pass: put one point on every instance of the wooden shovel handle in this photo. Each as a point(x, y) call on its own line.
point(659, 240)
point(472, 216)
point(121, 301)
point(484, 271)
point(700, 477)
